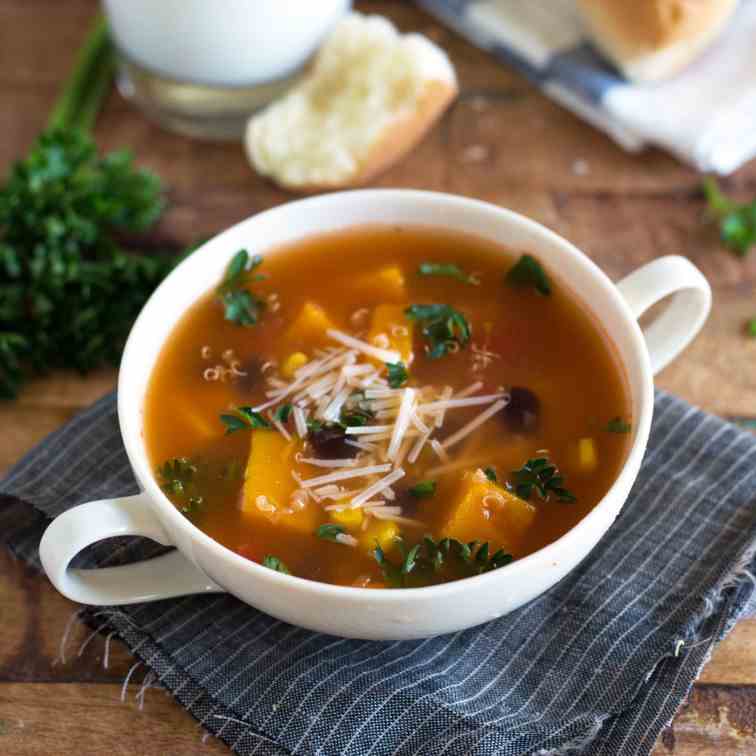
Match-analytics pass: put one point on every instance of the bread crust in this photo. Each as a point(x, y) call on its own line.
point(652, 39)
point(397, 139)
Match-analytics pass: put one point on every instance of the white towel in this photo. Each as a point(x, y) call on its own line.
point(706, 115)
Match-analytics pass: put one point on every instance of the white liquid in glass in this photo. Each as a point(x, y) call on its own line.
point(227, 43)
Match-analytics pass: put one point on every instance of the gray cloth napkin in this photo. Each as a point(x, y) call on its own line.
point(597, 665)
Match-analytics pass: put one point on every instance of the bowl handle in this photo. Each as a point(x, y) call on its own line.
point(162, 577)
point(678, 325)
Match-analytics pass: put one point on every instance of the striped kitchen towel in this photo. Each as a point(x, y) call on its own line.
point(705, 115)
point(597, 665)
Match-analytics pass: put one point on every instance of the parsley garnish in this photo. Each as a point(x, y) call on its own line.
point(490, 473)
point(423, 489)
point(397, 374)
point(527, 272)
point(283, 413)
point(442, 326)
point(542, 476)
point(750, 331)
point(618, 425)
point(329, 531)
point(240, 305)
point(243, 418)
point(445, 269)
point(356, 411)
point(69, 289)
point(274, 563)
point(177, 476)
point(429, 557)
point(737, 223)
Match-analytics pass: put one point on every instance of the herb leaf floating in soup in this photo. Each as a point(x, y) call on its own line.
point(446, 269)
point(445, 328)
point(527, 272)
point(430, 557)
point(367, 441)
point(240, 305)
point(397, 374)
point(542, 476)
point(243, 418)
point(618, 425)
point(274, 563)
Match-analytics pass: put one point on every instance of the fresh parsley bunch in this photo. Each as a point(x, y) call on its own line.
point(69, 292)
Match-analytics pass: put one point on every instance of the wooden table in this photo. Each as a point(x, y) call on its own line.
point(502, 142)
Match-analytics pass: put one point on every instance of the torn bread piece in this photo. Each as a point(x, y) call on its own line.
point(650, 40)
point(370, 96)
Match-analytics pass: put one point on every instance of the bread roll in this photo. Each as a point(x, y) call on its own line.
point(370, 96)
point(650, 40)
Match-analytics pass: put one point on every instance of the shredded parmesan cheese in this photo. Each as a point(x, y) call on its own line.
point(377, 487)
point(476, 422)
point(358, 472)
point(384, 355)
point(402, 422)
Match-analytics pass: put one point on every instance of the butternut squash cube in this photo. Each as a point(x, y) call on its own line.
point(268, 475)
point(385, 283)
point(309, 326)
point(384, 532)
point(390, 329)
point(488, 512)
point(587, 457)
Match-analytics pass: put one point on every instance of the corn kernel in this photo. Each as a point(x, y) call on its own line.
point(384, 532)
point(587, 457)
point(349, 518)
point(292, 363)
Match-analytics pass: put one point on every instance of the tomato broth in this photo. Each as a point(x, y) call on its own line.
point(455, 404)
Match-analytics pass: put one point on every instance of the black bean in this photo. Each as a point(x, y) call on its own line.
point(522, 414)
point(329, 442)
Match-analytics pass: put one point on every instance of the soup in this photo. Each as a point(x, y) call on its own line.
point(387, 407)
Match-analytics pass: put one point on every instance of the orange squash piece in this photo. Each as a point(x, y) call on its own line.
point(484, 511)
point(390, 322)
point(268, 474)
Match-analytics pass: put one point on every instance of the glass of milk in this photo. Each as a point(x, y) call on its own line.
point(201, 67)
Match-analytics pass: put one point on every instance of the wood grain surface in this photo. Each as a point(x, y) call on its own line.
point(503, 142)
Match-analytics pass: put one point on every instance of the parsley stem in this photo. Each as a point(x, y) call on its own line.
point(83, 92)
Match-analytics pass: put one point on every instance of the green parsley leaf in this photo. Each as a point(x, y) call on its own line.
point(490, 473)
point(542, 476)
point(241, 306)
point(397, 374)
point(69, 290)
point(329, 531)
point(442, 326)
point(737, 222)
point(423, 489)
point(445, 269)
point(527, 272)
point(283, 413)
point(618, 425)
point(750, 331)
point(243, 418)
point(429, 557)
point(274, 563)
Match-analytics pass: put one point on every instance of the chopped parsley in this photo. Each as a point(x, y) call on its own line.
point(188, 482)
point(420, 563)
point(243, 418)
point(241, 306)
point(274, 563)
point(329, 531)
point(397, 374)
point(443, 327)
point(283, 413)
point(737, 222)
point(490, 473)
point(541, 476)
point(526, 273)
point(618, 425)
point(445, 269)
point(423, 489)
point(751, 328)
